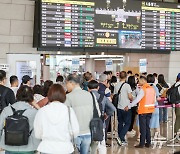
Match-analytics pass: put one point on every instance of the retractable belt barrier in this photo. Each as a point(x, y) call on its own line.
point(170, 143)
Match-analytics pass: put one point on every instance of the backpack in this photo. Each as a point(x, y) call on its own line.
point(115, 98)
point(3, 103)
point(173, 95)
point(96, 124)
point(17, 130)
point(163, 91)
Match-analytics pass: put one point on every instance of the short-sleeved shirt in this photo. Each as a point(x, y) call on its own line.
point(123, 97)
point(9, 98)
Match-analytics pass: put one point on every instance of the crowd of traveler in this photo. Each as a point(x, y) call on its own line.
point(59, 114)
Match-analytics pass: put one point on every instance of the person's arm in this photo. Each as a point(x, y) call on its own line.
point(35, 105)
point(129, 91)
point(2, 119)
point(130, 96)
point(109, 107)
point(10, 97)
point(74, 123)
point(38, 125)
point(136, 101)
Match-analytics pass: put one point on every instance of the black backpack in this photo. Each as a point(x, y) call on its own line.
point(173, 95)
point(17, 130)
point(3, 103)
point(96, 124)
point(115, 98)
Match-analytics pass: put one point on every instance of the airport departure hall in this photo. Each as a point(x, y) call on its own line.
point(89, 76)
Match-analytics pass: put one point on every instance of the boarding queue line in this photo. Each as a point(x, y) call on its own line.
point(155, 141)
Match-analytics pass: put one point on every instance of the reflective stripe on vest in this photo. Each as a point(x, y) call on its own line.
point(147, 103)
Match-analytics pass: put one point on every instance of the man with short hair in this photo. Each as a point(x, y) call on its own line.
point(82, 103)
point(124, 117)
point(6, 94)
point(14, 84)
point(146, 99)
point(107, 110)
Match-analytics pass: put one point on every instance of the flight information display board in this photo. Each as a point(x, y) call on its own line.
point(113, 24)
point(160, 26)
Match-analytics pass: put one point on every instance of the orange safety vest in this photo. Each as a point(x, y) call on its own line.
point(147, 103)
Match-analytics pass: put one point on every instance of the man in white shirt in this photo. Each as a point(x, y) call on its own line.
point(14, 84)
point(124, 117)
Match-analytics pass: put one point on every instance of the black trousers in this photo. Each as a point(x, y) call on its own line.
point(134, 112)
point(144, 121)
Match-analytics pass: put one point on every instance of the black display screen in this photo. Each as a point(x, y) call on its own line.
point(117, 24)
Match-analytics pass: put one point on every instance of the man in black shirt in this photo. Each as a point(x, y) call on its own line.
point(6, 94)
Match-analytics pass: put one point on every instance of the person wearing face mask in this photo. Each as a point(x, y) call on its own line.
point(26, 80)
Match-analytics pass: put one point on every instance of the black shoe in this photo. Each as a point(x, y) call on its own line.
point(147, 145)
point(139, 146)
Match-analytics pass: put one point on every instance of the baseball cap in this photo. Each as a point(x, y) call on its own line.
point(26, 78)
point(178, 76)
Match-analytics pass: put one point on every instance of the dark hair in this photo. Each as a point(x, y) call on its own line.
point(13, 79)
point(143, 77)
point(161, 79)
point(145, 73)
point(25, 94)
point(123, 75)
point(150, 78)
point(129, 72)
point(37, 89)
point(107, 72)
point(47, 85)
point(155, 74)
point(136, 74)
point(56, 93)
point(74, 78)
point(113, 79)
point(87, 76)
point(132, 82)
point(59, 78)
point(2, 75)
point(93, 84)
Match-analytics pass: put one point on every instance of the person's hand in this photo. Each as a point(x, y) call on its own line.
point(35, 105)
point(126, 108)
point(105, 116)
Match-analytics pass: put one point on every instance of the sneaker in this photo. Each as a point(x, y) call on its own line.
point(119, 141)
point(124, 143)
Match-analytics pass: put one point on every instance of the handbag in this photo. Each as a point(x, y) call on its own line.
point(116, 97)
point(76, 151)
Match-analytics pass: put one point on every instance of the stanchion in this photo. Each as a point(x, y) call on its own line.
point(158, 142)
point(177, 135)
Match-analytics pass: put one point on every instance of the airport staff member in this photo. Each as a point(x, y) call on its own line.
point(146, 99)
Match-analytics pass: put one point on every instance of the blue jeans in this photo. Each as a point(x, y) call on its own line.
point(163, 116)
point(124, 122)
point(83, 143)
point(144, 121)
